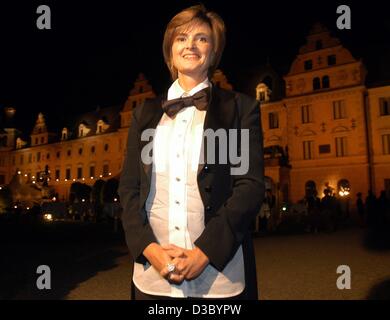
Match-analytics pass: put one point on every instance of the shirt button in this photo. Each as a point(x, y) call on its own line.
point(177, 179)
point(178, 156)
point(184, 120)
point(177, 228)
point(208, 208)
point(177, 202)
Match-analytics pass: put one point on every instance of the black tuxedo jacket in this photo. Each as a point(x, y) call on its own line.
point(231, 201)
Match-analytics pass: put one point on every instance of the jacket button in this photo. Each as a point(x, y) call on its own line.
point(206, 168)
point(207, 189)
point(208, 208)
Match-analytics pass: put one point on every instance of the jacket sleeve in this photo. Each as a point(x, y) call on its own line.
point(226, 230)
point(137, 229)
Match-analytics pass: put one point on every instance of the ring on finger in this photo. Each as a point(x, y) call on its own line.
point(171, 267)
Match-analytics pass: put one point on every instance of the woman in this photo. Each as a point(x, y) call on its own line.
point(187, 222)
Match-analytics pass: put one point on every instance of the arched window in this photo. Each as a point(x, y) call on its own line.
point(325, 82)
point(64, 134)
point(316, 83)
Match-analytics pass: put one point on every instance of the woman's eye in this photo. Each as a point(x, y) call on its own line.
point(203, 39)
point(181, 39)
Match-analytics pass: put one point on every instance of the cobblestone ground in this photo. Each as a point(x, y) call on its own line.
point(88, 262)
point(289, 267)
point(304, 267)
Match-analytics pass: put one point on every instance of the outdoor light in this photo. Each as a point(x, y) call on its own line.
point(115, 199)
point(25, 174)
point(15, 207)
point(48, 217)
point(83, 200)
point(109, 173)
point(74, 179)
point(33, 177)
point(58, 180)
point(1, 188)
point(54, 199)
point(92, 178)
point(28, 208)
point(19, 172)
point(101, 176)
point(83, 179)
point(33, 182)
point(66, 179)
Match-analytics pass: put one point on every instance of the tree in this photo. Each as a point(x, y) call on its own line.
point(110, 190)
point(5, 199)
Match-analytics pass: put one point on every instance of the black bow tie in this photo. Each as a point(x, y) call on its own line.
point(200, 100)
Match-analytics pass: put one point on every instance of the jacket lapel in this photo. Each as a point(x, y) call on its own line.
point(220, 114)
point(149, 119)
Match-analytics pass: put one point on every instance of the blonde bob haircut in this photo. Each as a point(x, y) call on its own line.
point(186, 19)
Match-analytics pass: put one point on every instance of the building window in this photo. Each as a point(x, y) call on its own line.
point(105, 170)
point(69, 153)
point(42, 140)
point(316, 83)
point(48, 156)
point(106, 147)
point(306, 114)
point(80, 151)
point(36, 140)
point(308, 64)
point(29, 158)
point(324, 148)
point(92, 171)
point(386, 143)
point(21, 159)
point(273, 120)
point(79, 172)
point(58, 154)
point(325, 82)
point(38, 156)
point(341, 146)
point(384, 104)
point(339, 109)
point(64, 134)
point(57, 174)
point(331, 60)
point(93, 149)
point(67, 174)
point(308, 150)
point(318, 44)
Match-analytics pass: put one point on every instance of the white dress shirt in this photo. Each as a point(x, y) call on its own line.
point(174, 206)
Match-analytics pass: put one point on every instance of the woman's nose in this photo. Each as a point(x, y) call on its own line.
point(190, 43)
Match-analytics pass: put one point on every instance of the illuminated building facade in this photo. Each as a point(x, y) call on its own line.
point(323, 127)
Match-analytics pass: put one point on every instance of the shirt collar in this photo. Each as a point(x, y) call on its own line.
point(176, 91)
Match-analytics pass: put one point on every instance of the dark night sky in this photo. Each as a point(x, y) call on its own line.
point(94, 51)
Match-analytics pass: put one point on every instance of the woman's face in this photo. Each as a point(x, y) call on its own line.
point(192, 51)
